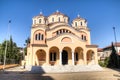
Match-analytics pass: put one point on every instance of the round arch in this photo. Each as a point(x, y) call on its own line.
point(78, 55)
point(90, 57)
point(66, 56)
point(54, 55)
point(41, 57)
point(39, 36)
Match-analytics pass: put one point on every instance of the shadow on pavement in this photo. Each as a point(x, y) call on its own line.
point(116, 74)
point(34, 74)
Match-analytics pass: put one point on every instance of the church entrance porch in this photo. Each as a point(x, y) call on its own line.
point(64, 57)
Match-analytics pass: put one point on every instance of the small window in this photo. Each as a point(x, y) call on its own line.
point(39, 20)
point(36, 37)
point(66, 31)
point(75, 23)
point(42, 36)
point(81, 23)
point(34, 21)
point(85, 38)
point(57, 32)
point(82, 37)
point(64, 20)
point(59, 19)
point(39, 36)
point(52, 19)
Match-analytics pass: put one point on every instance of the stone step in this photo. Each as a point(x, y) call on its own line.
point(65, 68)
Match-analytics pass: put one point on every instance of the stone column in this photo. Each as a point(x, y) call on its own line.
point(96, 58)
point(85, 58)
point(47, 58)
point(60, 58)
point(73, 62)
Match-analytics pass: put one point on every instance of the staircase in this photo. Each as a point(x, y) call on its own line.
point(63, 68)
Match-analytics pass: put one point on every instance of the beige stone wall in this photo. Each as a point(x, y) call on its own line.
point(70, 40)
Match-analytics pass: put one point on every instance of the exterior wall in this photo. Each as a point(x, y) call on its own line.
point(57, 18)
point(69, 40)
point(107, 51)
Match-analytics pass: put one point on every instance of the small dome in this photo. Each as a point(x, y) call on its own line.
point(79, 22)
point(79, 18)
point(58, 13)
point(40, 15)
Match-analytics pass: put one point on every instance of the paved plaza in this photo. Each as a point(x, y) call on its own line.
point(21, 74)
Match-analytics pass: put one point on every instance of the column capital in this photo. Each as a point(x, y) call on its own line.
point(72, 51)
point(60, 51)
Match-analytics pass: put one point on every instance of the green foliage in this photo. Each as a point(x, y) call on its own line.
point(27, 41)
point(12, 54)
point(101, 63)
point(104, 63)
point(114, 59)
point(25, 50)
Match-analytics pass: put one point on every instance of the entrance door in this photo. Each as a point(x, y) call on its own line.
point(64, 57)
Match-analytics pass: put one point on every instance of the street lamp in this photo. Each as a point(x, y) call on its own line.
point(6, 45)
point(116, 45)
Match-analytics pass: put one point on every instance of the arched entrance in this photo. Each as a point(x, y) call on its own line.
point(78, 56)
point(64, 57)
point(41, 57)
point(53, 55)
point(90, 57)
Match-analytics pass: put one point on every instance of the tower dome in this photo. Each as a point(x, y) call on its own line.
point(79, 22)
point(40, 19)
point(57, 17)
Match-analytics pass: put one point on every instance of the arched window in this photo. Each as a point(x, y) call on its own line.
point(82, 37)
point(52, 19)
point(34, 21)
point(39, 36)
point(36, 37)
point(85, 38)
point(59, 19)
point(75, 23)
point(57, 32)
point(64, 20)
point(66, 31)
point(81, 23)
point(39, 20)
point(42, 36)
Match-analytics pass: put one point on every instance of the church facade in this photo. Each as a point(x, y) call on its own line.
point(56, 41)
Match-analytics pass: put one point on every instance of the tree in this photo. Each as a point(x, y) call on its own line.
point(113, 60)
point(27, 42)
point(13, 54)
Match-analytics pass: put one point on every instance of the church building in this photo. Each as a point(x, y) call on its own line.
point(55, 41)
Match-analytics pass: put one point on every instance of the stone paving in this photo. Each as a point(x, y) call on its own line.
point(22, 74)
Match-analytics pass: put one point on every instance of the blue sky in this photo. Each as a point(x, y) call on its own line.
point(101, 15)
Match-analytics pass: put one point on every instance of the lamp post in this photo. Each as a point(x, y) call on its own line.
point(116, 46)
point(4, 63)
